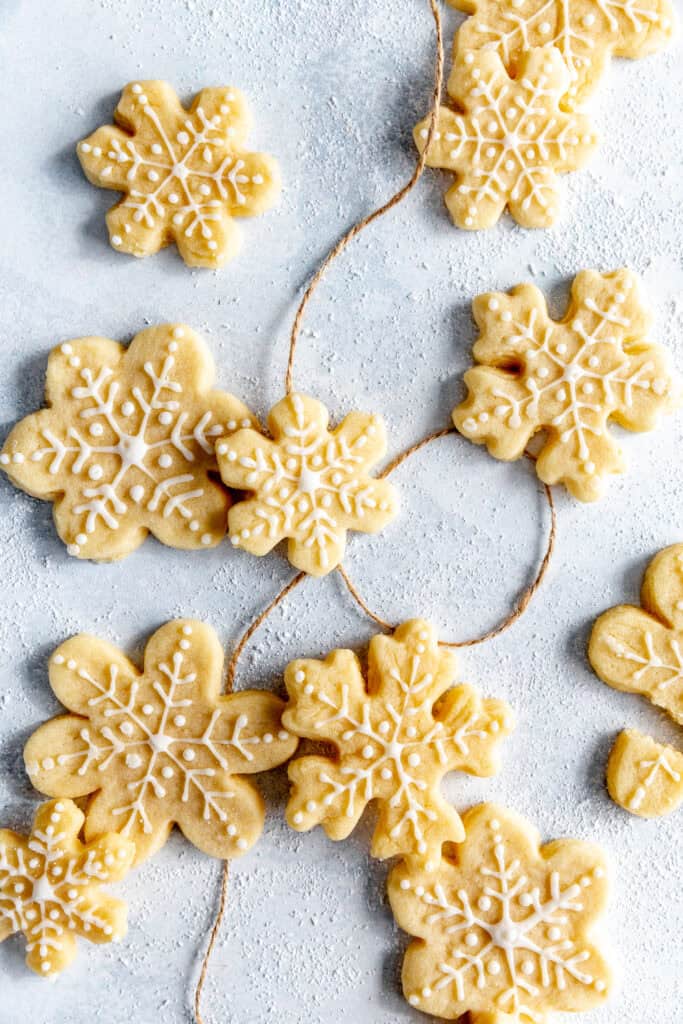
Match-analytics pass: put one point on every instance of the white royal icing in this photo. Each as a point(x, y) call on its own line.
point(401, 738)
point(47, 891)
point(570, 384)
point(144, 433)
point(148, 737)
point(299, 483)
point(183, 180)
point(502, 926)
point(578, 29)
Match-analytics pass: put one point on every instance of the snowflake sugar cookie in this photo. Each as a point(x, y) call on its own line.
point(510, 140)
point(567, 378)
point(395, 739)
point(503, 926)
point(586, 32)
point(185, 174)
point(309, 485)
point(50, 887)
point(640, 650)
point(643, 776)
point(159, 747)
point(126, 444)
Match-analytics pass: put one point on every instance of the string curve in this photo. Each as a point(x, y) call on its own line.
point(397, 198)
point(525, 597)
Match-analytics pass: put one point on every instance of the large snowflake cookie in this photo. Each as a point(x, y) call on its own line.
point(185, 174)
point(640, 650)
point(508, 141)
point(308, 484)
point(567, 378)
point(50, 887)
point(586, 32)
point(503, 926)
point(127, 443)
point(643, 776)
point(161, 746)
point(395, 737)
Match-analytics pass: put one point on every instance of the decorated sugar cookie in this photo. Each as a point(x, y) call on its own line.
point(567, 378)
point(161, 746)
point(508, 140)
point(503, 928)
point(586, 32)
point(640, 650)
point(127, 443)
point(308, 484)
point(643, 776)
point(185, 174)
point(50, 887)
point(395, 737)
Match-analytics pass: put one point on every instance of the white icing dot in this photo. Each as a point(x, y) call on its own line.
point(165, 418)
point(242, 844)
point(147, 709)
point(206, 539)
point(298, 818)
point(167, 772)
point(137, 493)
point(116, 240)
point(188, 754)
point(179, 721)
point(165, 461)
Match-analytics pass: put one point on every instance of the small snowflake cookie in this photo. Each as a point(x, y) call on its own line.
point(567, 378)
point(185, 174)
point(503, 927)
point(395, 738)
point(643, 776)
point(509, 139)
point(586, 32)
point(50, 887)
point(308, 484)
point(161, 746)
point(127, 443)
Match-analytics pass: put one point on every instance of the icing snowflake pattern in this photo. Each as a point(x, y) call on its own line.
point(185, 174)
point(566, 378)
point(395, 740)
point(643, 776)
point(127, 443)
point(640, 650)
point(502, 927)
point(159, 747)
point(509, 140)
point(307, 484)
point(50, 887)
point(586, 32)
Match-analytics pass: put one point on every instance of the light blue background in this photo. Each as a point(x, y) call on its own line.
point(335, 89)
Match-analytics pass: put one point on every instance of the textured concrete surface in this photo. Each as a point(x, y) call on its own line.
point(335, 90)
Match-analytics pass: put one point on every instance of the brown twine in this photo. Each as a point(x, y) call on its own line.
point(229, 686)
point(397, 198)
point(525, 598)
point(212, 941)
